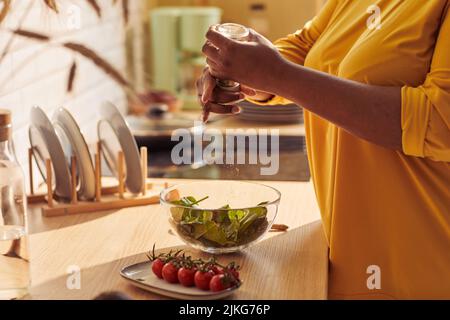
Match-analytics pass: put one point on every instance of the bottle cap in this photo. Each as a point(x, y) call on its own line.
point(5, 125)
point(234, 31)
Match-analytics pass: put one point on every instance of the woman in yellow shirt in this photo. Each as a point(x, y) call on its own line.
point(377, 94)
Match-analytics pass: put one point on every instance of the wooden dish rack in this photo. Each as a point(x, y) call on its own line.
point(106, 198)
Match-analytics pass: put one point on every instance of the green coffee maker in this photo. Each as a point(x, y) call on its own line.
point(178, 35)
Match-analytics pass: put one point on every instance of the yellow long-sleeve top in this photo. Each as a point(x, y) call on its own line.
point(383, 208)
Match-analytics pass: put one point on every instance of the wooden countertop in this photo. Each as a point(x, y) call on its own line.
point(293, 265)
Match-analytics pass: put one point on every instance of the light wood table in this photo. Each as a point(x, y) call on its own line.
point(291, 265)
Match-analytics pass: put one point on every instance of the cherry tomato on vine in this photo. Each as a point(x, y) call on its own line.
point(220, 282)
point(235, 273)
point(202, 279)
point(157, 266)
point(170, 272)
point(217, 270)
point(186, 276)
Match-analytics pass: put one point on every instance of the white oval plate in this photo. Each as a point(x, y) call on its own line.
point(141, 275)
point(111, 116)
point(70, 130)
point(45, 143)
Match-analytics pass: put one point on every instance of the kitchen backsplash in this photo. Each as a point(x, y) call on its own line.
point(33, 74)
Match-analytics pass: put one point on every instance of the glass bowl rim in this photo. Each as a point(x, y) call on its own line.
point(167, 190)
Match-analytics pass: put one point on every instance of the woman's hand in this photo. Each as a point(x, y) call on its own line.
point(248, 63)
point(255, 63)
point(216, 100)
point(370, 112)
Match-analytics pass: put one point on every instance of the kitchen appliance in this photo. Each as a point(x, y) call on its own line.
point(178, 35)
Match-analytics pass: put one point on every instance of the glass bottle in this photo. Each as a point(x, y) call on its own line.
point(14, 257)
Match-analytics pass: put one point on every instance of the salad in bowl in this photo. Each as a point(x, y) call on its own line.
point(220, 216)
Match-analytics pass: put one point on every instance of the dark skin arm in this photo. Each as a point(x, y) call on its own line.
point(370, 112)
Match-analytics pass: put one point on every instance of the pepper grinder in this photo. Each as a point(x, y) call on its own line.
point(235, 32)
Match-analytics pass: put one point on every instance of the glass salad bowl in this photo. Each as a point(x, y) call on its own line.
point(220, 216)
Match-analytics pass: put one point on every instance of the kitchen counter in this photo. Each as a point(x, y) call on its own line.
point(232, 122)
point(224, 122)
point(292, 149)
point(290, 265)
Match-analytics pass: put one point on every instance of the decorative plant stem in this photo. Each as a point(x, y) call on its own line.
point(7, 47)
point(77, 48)
point(5, 9)
point(95, 7)
point(71, 78)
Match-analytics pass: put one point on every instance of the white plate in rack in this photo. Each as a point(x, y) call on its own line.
point(141, 275)
point(115, 135)
point(46, 145)
point(73, 143)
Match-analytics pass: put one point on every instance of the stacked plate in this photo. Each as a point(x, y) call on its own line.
point(290, 113)
point(60, 138)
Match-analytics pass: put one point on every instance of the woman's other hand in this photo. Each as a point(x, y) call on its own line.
point(216, 100)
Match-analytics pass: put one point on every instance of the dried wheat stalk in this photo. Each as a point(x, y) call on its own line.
point(71, 79)
point(126, 11)
point(76, 47)
point(22, 18)
point(52, 5)
point(32, 35)
point(5, 9)
point(96, 7)
point(85, 52)
point(98, 61)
